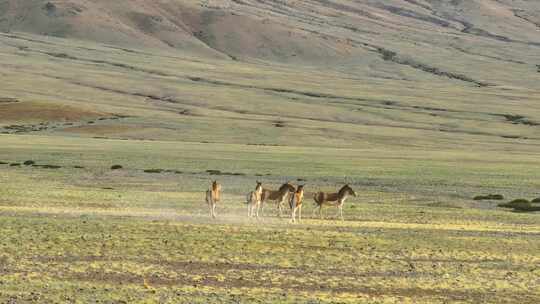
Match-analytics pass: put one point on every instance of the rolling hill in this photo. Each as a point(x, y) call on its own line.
point(428, 73)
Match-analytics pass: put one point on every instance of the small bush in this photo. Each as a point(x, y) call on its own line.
point(116, 167)
point(3, 163)
point(521, 205)
point(14, 165)
point(520, 202)
point(154, 170)
point(496, 197)
point(49, 166)
point(29, 162)
point(536, 200)
point(78, 167)
point(213, 172)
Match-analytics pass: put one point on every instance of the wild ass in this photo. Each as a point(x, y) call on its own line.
point(296, 203)
point(333, 199)
point(278, 196)
point(213, 196)
point(254, 200)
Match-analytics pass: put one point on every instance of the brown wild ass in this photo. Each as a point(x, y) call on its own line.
point(213, 196)
point(296, 203)
point(278, 196)
point(333, 199)
point(254, 200)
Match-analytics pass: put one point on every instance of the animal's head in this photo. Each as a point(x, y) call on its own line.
point(216, 186)
point(300, 188)
point(347, 189)
point(259, 186)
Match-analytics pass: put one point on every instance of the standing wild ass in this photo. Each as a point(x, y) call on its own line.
point(333, 199)
point(254, 200)
point(296, 203)
point(213, 196)
point(278, 196)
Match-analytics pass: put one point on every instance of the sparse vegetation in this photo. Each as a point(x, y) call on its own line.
point(116, 167)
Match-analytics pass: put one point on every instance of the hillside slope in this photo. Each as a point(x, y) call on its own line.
point(459, 40)
point(395, 73)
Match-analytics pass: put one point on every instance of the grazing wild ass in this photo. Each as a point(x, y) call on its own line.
point(333, 199)
point(213, 196)
point(296, 203)
point(278, 196)
point(254, 200)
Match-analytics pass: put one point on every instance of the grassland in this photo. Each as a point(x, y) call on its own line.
point(415, 146)
point(413, 235)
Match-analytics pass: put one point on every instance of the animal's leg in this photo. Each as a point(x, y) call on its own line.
point(300, 213)
point(341, 212)
point(214, 210)
point(296, 209)
point(258, 206)
point(320, 212)
point(210, 208)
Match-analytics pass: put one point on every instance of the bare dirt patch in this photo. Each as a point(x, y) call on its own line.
point(103, 129)
point(38, 112)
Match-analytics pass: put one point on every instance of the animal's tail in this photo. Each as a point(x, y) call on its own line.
point(292, 201)
point(249, 197)
point(316, 198)
point(208, 197)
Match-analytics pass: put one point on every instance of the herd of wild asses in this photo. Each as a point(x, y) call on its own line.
point(256, 198)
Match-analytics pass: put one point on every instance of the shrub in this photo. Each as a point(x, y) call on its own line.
point(154, 170)
point(521, 205)
point(14, 165)
point(489, 197)
point(517, 203)
point(29, 162)
point(536, 200)
point(116, 167)
point(48, 166)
